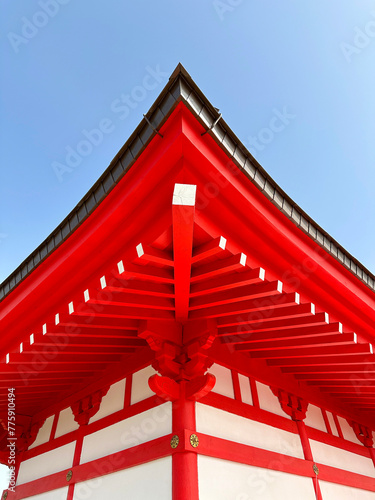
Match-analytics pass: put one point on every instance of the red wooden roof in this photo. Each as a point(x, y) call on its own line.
point(188, 241)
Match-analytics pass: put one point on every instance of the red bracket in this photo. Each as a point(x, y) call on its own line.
point(87, 407)
point(292, 405)
point(363, 433)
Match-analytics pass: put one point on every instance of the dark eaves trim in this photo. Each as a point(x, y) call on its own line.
point(181, 87)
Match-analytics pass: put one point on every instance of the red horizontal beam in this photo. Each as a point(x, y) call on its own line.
point(138, 287)
point(337, 339)
point(277, 318)
point(351, 368)
point(231, 282)
point(248, 293)
point(209, 249)
point(331, 360)
point(146, 273)
point(218, 268)
point(339, 351)
point(147, 254)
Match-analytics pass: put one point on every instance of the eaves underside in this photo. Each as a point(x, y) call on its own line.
point(181, 87)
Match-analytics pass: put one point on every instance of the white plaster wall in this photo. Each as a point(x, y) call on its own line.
point(268, 401)
point(347, 431)
point(332, 423)
point(113, 401)
point(332, 491)
point(246, 395)
point(130, 432)
point(224, 383)
point(66, 423)
point(152, 481)
point(224, 480)
point(226, 425)
point(59, 494)
point(342, 459)
point(140, 388)
point(48, 463)
point(44, 433)
point(314, 418)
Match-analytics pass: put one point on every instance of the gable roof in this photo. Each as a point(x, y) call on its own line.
point(276, 302)
point(181, 87)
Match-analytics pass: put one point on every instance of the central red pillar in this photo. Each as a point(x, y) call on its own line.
point(184, 462)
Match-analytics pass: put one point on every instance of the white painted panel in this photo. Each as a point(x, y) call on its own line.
point(140, 388)
point(342, 459)
point(48, 463)
point(347, 431)
point(224, 480)
point(224, 383)
point(130, 432)
point(332, 423)
point(152, 480)
point(113, 401)
point(242, 430)
point(332, 491)
point(60, 494)
point(314, 418)
point(246, 395)
point(44, 433)
point(268, 401)
point(66, 423)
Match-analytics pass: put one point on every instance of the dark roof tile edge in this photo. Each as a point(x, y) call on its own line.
point(181, 87)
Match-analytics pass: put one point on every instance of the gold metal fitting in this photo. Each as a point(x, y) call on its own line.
point(175, 441)
point(69, 475)
point(194, 441)
point(5, 495)
point(315, 469)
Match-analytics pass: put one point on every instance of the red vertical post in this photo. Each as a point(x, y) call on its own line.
point(308, 454)
point(184, 463)
point(76, 458)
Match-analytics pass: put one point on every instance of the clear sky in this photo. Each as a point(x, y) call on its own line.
point(66, 63)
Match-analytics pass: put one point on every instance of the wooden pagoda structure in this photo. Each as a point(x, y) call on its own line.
point(188, 332)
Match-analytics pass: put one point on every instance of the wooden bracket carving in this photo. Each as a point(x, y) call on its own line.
point(292, 405)
point(363, 433)
point(87, 407)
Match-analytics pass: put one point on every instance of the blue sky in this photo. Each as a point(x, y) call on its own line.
point(65, 63)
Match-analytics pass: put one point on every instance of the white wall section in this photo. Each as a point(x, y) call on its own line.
point(246, 395)
point(342, 459)
point(44, 433)
point(332, 491)
point(314, 418)
point(113, 401)
point(224, 383)
point(268, 401)
point(224, 480)
point(130, 432)
point(66, 423)
point(226, 425)
point(48, 463)
point(140, 388)
point(152, 480)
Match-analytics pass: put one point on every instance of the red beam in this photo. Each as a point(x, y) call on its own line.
point(338, 339)
point(231, 282)
point(183, 210)
point(249, 293)
point(218, 268)
point(213, 247)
